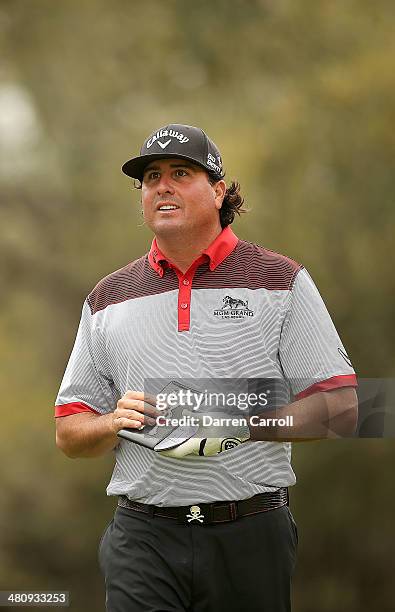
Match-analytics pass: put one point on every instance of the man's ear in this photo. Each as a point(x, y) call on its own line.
point(219, 190)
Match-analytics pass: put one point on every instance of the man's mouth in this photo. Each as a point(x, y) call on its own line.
point(167, 207)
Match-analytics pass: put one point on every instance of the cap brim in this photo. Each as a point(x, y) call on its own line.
point(135, 167)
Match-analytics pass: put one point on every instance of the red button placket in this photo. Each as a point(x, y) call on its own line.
point(184, 300)
point(184, 295)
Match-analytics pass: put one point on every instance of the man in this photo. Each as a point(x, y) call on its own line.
point(205, 526)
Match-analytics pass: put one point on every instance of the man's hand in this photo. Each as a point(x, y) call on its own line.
point(134, 410)
point(210, 439)
point(90, 435)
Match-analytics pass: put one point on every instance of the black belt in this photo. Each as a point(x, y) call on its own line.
point(216, 512)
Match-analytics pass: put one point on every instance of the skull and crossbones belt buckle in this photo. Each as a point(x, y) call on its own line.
point(194, 515)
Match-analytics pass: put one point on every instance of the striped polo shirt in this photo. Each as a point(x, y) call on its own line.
point(240, 311)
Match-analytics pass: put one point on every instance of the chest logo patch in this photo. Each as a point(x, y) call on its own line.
point(233, 308)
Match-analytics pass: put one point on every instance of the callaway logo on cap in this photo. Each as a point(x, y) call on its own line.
point(176, 140)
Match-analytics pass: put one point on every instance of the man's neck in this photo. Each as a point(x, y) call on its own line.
point(183, 250)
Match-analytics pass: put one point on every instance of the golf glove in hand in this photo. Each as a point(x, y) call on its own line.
point(210, 439)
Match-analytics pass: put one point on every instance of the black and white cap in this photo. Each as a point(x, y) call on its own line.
point(176, 140)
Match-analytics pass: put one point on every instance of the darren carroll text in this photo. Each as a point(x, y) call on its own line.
point(209, 421)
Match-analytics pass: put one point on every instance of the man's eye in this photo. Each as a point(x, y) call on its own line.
point(152, 175)
point(181, 172)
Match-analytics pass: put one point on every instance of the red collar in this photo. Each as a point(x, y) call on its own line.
point(218, 250)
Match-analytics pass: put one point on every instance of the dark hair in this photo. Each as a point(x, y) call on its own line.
point(232, 203)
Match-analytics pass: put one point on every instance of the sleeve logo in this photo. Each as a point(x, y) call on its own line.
point(345, 357)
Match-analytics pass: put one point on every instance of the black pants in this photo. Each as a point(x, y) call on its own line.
point(157, 565)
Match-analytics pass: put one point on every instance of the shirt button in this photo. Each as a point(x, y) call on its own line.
point(185, 281)
point(184, 305)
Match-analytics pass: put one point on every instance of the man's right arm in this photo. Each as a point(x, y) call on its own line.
point(88, 434)
point(85, 434)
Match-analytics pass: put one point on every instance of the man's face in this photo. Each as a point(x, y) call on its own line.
point(177, 196)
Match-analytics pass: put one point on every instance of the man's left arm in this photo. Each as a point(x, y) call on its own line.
point(319, 371)
point(328, 414)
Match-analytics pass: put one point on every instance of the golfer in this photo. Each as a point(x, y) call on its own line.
point(204, 526)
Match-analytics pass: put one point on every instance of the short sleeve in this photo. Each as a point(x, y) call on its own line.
point(311, 353)
point(87, 385)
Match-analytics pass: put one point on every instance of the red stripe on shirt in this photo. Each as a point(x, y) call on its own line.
point(336, 382)
point(73, 408)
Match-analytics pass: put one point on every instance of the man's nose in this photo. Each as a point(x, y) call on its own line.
point(165, 185)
